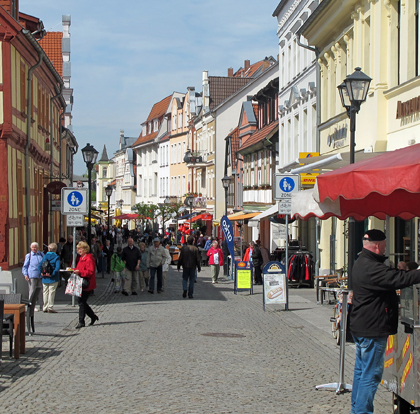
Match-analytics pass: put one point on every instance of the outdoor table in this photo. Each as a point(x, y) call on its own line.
point(18, 312)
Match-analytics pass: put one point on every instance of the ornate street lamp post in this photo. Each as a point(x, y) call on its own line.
point(353, 92)
point(226, 183)
point(108, 192)
point(189, 201)
point(89, 156)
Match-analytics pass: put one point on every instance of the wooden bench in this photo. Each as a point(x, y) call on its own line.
point(324, 285)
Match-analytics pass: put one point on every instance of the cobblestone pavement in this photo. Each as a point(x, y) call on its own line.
point(160, 353)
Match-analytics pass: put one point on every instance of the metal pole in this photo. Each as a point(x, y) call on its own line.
point(352, 223)
point(286, 307)
point(226, 203)
point(73, 265)
point(108, 217)
point(90, 202)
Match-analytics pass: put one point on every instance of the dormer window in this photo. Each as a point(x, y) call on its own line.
point(149, 128)
point(155, 125)
point(144, 132)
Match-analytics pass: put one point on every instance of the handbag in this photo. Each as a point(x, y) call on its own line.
point(74, 285)
point(85, 282)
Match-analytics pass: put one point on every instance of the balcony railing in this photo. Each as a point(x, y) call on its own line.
point(194, 157)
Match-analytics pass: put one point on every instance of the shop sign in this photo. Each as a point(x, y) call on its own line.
point(274, 285)
point(408, 108)
point(338, 138)
point(308, 180)
point(243, 277)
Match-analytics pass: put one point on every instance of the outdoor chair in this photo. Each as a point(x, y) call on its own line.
point(6, 328)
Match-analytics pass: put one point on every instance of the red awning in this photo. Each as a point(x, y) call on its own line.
point(385, 185)
point(203, 217)
point(126, 217)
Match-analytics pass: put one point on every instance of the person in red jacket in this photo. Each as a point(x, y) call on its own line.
point(215, 260)
point(86, 268)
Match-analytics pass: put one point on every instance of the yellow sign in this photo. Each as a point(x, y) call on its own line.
point(243, 278)
point(308, 180)
point(216, 223)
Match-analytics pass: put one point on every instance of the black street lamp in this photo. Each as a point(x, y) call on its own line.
point(108, 192)
point(89, 156)
point(226, 183)
point(163, 205)
point(189, 202)
point(353, 92)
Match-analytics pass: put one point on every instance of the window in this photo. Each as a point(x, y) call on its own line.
point(104, 172)
point(143, 131)
point(179, 152)
point(155, 125)
point(149, 127)
point(180, 120)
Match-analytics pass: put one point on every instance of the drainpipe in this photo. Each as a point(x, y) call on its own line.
point(28, 143)
point(317, 146)
point(52, 157)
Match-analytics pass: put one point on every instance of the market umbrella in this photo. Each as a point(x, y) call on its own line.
point(385, 185)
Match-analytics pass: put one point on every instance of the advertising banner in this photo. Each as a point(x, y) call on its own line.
point(226, 226)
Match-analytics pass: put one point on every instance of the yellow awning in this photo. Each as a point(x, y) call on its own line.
point(242, 216)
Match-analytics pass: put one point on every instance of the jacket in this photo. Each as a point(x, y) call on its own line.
point(156, 257)
point(131, 257)
point(54, 259)
point(143, 259)
point(117, 265)
point(67, 253)
point(257, 259)
point(375, 302)
point(189, 258)
point(87, 268)
point(212, 251)
point(31, 265)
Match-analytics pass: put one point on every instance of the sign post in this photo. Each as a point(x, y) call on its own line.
point(285, 186)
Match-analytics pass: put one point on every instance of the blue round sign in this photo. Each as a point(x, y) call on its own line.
point(75, 199)
point(287, 184)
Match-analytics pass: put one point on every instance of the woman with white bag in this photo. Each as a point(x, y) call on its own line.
point(86, 268)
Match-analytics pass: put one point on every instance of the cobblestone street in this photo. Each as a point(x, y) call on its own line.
point(216, 353)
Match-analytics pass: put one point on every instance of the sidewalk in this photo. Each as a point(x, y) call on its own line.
point(236, 357)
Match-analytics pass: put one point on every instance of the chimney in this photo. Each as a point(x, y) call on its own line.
point(247, 64)
point(206, 92)
point(230, 72)
point(12, 7)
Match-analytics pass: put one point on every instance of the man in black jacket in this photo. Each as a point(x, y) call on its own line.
point(257, 262)
point(374, 316)
point(189, 259)
point(131, 256)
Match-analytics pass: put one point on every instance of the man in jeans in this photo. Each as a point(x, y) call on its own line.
point(189, 259)
point(156, 258)
point(31, 272)
point(374, 316)
point(131, 257)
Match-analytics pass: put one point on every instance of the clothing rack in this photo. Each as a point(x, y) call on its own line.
point(301, 269)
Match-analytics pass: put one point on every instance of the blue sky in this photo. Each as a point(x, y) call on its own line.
point(130, 54)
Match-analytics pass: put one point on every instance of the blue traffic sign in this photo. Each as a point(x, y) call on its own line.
point(75, 198)
point(287, 185)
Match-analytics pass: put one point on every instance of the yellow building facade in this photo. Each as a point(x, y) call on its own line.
point(382, 38)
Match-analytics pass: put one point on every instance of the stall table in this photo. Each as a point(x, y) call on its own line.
point(18, 312)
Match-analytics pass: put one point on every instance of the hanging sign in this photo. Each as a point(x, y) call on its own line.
point(74, 200)
point(226, 226)
point(243, 277)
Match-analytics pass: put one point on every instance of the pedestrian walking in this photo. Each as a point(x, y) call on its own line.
point(143, 269)
point(86, 268)
point(131, 257)
point(50, 278)
point(108, 252)
point(374, 316)
point(189, 259)
point(30, 271)
point(165, 267)
point(155, 260)
point(215, 255)
point(117, 267)
point(119, 238)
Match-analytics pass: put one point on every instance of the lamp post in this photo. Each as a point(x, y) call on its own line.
point(353, 92)
point(189, 201)
point(226, 183)
point(108, 192)
point(89, 156)
point(163, 205)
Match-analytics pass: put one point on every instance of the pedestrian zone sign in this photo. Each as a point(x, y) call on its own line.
point(285, 186)
point(74, 200)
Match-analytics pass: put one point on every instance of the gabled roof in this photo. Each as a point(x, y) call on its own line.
point(265, 132)
point(234, 144)
point(158, 111)
point(221, 87)
point(52, 45)
point(255, 69)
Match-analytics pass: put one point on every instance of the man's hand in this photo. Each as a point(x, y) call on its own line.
point(26, 277)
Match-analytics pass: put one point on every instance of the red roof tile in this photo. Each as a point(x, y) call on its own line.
point(262, 65)
point(52, 45)
point(258, 136)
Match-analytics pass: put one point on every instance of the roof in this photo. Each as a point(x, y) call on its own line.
point(52, 45)
point(221, 87)
point(260, 135)
point(158, 111)
point(255, 69)
point(234, 144)
point(104, 156)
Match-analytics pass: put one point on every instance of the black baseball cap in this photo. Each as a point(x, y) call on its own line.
point(374, 235)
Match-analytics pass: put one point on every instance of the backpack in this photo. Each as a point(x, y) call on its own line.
point(46, 267)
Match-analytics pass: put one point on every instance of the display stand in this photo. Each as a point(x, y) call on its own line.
point(340, 386)
point(243, 277)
